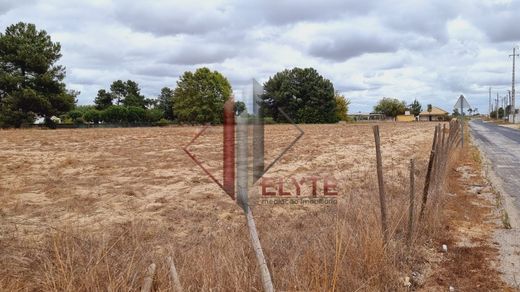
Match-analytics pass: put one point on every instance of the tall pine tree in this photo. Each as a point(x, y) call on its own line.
point(31, 83)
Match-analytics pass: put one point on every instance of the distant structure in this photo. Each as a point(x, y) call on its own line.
point(367, 116)
point(407, 117)
point(436, 114)
point(41, 120)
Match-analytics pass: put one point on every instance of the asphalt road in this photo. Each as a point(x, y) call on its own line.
point(502, 148)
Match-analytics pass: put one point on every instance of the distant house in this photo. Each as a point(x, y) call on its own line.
point(407, 117)
point(437, 114)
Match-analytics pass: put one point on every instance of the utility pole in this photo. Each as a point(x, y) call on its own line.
point(514, 55)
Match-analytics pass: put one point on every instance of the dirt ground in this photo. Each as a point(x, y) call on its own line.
point(472, 216)
point(101, 181)
point(97, 177)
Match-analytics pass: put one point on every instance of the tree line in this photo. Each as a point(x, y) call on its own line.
point(31, 86)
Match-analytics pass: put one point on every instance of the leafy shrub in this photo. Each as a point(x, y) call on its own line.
point(79, 121)
point(115, 114)
point(75, 114)
point(136, 114)
point(154, 115)
point(92, 116)
point(163, 122)
point(269, 121)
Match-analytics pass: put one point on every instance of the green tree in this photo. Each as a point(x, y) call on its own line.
point(118, 91)
point(303, 94)
point(165, 102)
point(115, 114)
point(74, 114)
point(455, 113)
point(429, 108)
point(415, 107)
point(136, 114)
point(103, 99)
point(501, 112)
point(154, 115)
point(92, 116)
point(199, 97)
point(239, 107)
point(390, 107)
point(30, 81)
point(133, 95)
point(342, 104)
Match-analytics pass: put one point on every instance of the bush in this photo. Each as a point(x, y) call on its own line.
point(136, 114)
point(79, 121)
point(154, 115)
point(269, 121)
point(92, 116)
point(163, 122)
point(75, 114)
point(115, 114)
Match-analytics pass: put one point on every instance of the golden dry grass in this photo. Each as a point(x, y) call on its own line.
point(89, 209)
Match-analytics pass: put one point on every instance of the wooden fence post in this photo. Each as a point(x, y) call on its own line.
point(148, 278)
point(177, 287)
point(382, 196)
point(428, 176)
point(411, 207)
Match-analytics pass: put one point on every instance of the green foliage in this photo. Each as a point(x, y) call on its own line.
point(342, 104)
point(199, 97)
point(74, 114)
point(269, 121)
point(118, 91)
point(165, 102)
point(30, 81)
point(303, 94)
point(154, 115)
point(391, 107)
point(501, 112)
point(136, 114)
point(128, 93)
point(429, 108)
point(79, 121)
point(239, 107)
point(103, 99)
point(115, 114)
point(92, 116)
point(415, 108)
point(163, 122)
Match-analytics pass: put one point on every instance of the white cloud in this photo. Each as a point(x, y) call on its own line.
point(430, 50)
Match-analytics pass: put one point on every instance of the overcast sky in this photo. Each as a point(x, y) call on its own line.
point(430, 50)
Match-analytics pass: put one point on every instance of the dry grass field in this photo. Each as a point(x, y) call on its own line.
point(90, 209)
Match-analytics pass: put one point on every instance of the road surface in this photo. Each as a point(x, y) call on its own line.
point(501, 146)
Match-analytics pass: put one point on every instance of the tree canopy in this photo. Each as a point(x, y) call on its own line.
point(200, 96)
point(391, 107)
point(415, 108)
point(103, 99)
point(239, 107)
point(31, 83)
point(121, 93)
point(342, 104)
point(165, 102)
point(303, 94)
